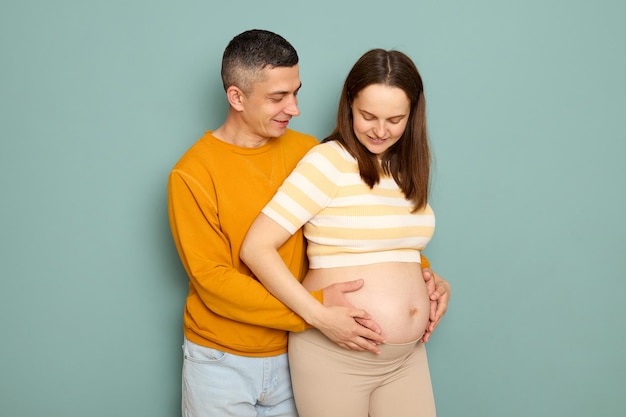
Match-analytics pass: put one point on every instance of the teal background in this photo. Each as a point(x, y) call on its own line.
point(99, 99)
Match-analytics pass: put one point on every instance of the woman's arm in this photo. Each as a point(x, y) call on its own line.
point(260, 253)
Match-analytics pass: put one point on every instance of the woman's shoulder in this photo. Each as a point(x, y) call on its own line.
point(333, 151)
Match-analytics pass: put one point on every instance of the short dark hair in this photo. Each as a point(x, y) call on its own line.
point(408, 160)
point(248, 53)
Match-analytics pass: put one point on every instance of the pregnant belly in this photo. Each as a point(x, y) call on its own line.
point(394, 294)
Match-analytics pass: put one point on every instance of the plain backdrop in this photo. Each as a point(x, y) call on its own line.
point(99, 99)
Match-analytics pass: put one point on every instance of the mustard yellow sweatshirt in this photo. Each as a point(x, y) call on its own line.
point(215, 192)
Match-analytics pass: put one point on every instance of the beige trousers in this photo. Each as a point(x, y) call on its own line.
point(329, 381)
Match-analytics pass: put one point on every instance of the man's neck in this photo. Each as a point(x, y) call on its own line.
point(237, 134)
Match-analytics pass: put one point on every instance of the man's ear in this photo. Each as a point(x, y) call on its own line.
point(235, 97)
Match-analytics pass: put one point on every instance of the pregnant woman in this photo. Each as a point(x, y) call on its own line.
point(362, 198)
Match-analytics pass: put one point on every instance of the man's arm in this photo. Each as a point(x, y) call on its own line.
point(206, 255)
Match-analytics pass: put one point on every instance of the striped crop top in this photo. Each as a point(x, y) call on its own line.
point(345, 222)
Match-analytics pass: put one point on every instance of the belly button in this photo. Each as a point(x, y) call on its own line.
point(413, 311)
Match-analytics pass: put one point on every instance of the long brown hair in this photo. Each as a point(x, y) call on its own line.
point(408, 160)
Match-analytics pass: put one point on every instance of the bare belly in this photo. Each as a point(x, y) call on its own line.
point(394, 294)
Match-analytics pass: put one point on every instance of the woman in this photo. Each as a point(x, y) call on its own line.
point(361, 196)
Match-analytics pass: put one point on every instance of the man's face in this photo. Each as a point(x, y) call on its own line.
point(272, 102)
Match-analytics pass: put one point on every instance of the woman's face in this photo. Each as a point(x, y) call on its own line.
point(379, 116)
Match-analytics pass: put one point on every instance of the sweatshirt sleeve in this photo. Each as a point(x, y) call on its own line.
point(207, 256)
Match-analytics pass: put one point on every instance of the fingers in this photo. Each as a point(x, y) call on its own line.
point(349, 286)
point(441, 310)
point(371, 336)
point(334, 295)
point(357, 342)
point(439, 291)
point(433, 310)
point(361, 345)
point(427, 273)
point(368, 328)
point(442, 287)
point(369, 346)
point(438, 305)
point(442, 297)
point(430, 287)
point(351, 329)
point(368, 324)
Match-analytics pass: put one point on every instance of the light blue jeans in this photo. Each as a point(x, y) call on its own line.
point(216, 383)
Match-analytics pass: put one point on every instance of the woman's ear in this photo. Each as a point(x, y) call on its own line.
point(235, 97)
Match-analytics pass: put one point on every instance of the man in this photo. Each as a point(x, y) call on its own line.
point(235, 361)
